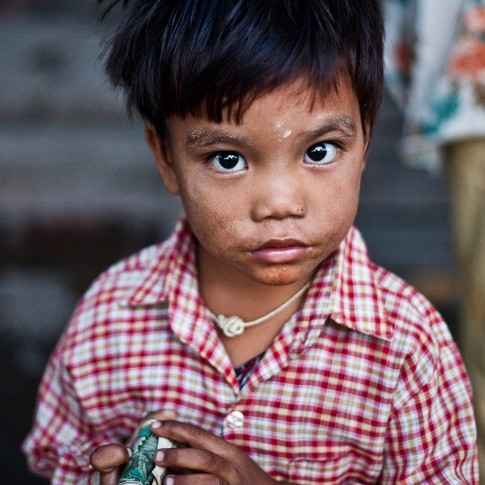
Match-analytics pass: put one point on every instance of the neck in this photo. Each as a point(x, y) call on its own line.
point(258, 338)
point(233, 325)
point(248, 302)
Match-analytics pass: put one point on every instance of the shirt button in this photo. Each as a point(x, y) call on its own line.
point(235, 419)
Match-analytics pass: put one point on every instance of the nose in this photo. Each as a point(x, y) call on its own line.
point(279, 194)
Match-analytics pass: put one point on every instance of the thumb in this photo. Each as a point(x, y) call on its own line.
point(107, 459)
point(166, 414)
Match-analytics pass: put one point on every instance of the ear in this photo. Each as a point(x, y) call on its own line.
point(162, 158)
point(367, 135)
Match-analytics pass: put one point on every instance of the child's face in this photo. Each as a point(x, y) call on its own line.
point(270, 198)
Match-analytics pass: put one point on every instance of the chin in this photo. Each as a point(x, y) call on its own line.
point(282, 276)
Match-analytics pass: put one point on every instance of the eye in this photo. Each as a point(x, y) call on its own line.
point(228, 162)
point(320, 153)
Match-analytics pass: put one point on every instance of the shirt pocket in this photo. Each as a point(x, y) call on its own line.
point(311, 472)
point(339, 467)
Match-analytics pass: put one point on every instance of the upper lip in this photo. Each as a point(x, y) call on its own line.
point(281, 243)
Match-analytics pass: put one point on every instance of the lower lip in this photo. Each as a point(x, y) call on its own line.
point(280, 255)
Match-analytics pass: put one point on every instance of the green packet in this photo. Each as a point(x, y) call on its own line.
point(141, 469)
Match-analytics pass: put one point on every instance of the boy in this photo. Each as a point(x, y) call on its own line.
point(260, 334)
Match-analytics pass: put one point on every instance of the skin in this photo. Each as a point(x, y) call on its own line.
point(268, 200)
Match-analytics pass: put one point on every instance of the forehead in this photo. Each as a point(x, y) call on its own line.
point(295, 105)
point(298, 97)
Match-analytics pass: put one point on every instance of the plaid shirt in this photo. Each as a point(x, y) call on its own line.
point(363, 385)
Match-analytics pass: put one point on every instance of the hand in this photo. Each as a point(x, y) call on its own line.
point(210, 459)
point(108, 460)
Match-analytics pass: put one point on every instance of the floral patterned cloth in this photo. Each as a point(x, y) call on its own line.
point(435, 70)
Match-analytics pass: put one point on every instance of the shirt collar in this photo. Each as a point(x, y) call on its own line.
point(345, 287)
point(356, 299)
point(172, 262)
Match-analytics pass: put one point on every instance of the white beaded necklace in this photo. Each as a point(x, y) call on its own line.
point(233, 325)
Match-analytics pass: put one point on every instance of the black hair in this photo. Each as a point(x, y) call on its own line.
point(210, 57)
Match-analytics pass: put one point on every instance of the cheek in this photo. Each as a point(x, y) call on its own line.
point(211, 218)
point(346, 209)
point(337, 206)
point(348, 186)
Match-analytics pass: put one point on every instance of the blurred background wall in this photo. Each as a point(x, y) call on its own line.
point(78, 191)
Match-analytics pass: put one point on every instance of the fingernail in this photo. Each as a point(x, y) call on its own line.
point(130, 452)
point(156, 425)
point(159, 455)
point(169, 481)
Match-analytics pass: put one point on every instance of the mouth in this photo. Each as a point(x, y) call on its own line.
point(281, 251)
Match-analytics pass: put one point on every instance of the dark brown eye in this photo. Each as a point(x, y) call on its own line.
point(320, 153)
point(228, 162)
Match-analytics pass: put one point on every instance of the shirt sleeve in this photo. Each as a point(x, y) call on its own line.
point(62, 439)
point(432, 435)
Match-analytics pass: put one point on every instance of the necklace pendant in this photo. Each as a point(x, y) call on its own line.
point(231, 326)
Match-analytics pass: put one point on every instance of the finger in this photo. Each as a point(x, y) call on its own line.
point(194, 459)
point(194, 479)
point(107, 459)
point(109, 478)
point(163, 415)
point(191, 435)
point(154, 415)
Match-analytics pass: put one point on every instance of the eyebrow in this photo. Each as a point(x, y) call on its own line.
point(205, 137)
point(340, 123)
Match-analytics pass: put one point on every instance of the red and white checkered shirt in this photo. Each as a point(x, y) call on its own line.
point(363, 385)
